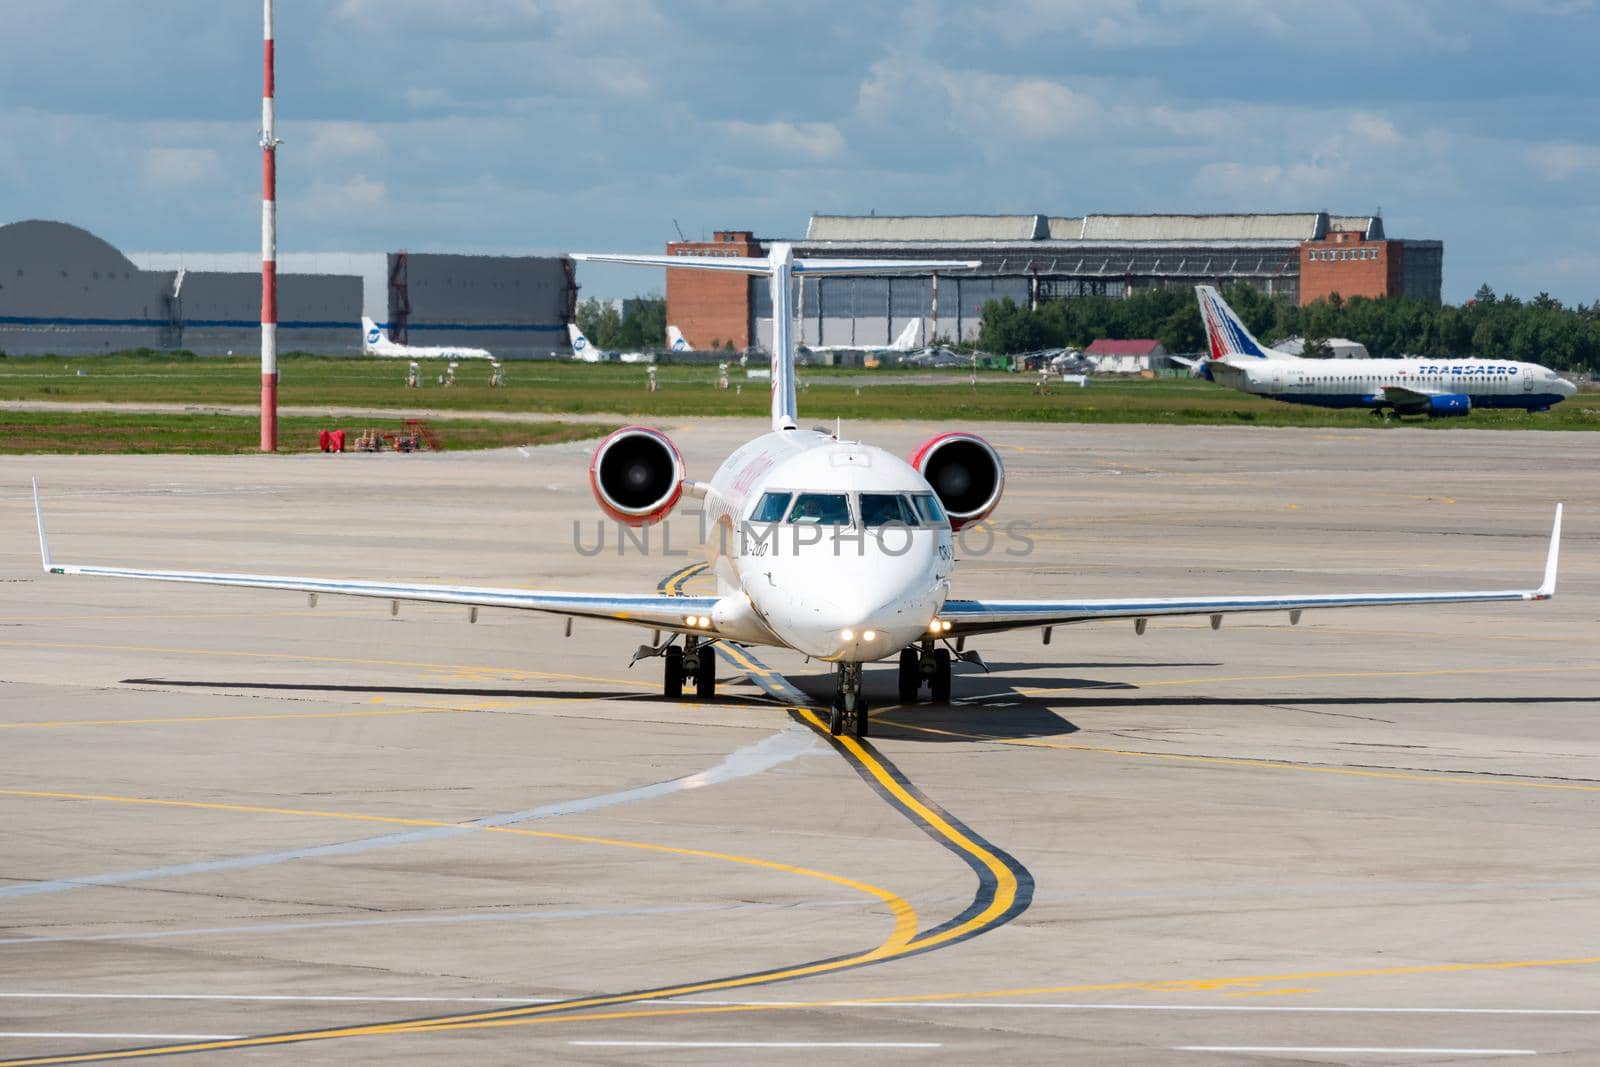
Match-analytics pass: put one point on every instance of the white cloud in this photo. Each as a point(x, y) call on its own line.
point(349, 200)
point(975, 105)
point(813, 140)
point(1560, 160)
point(344, 140)
point(1374, 129)
point(177, 168)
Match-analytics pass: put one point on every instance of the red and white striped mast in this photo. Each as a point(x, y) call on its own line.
point(269, 246)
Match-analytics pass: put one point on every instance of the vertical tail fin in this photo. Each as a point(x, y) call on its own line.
point(371, 335)
point(909, 336)
point(44, 539)
point(581, 348)
point(676, 341)
point(1226, 336)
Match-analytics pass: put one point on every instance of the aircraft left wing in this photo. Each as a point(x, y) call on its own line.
point(654, 610)
point(968, 617)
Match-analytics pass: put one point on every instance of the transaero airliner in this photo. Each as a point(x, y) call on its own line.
point(833, 548)
point(1434, 387)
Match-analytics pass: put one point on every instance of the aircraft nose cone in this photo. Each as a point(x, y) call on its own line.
point(1565, 387)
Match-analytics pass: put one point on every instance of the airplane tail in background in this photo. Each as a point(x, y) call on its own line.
point(909, 336)
point(372, 336)
point(676, 341)
point(780, 267)
point(1227, 337)
point(581, 348)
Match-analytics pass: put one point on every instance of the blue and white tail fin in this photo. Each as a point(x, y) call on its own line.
point(372, 336)
point(676, 341)
point(581, 348)
point(1226, 337)
point(781, 268)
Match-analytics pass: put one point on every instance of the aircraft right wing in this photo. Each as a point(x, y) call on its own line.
point(657, 611)
point(1408, 395)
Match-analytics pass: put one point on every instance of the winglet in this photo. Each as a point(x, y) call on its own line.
point(44, 542)
point(1548, 589)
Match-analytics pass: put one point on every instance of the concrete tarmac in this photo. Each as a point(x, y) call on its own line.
point(240, 827)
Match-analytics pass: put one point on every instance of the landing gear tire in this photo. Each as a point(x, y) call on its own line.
point(672, 673)
point(939, 684)
point(705, 678)
point(910, 675)
point(849, 705)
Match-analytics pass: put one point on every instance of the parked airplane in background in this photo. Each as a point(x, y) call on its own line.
point(374, 342)
point(908, 341)
point(1412, 386)
point(585, 350)
point(832, 548)
point(676, 342)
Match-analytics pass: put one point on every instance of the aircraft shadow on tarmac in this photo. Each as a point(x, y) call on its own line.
point(722, 697)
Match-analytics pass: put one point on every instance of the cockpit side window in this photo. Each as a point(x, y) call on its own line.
point(823, 509)
point(928, 507)
point(771, 506)
point(883, 509)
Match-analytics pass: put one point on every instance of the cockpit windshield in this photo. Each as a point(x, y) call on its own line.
point(823, 509)
point(886, 509)
point(928, 507)
point(771, 506)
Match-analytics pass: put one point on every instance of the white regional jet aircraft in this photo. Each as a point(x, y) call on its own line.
point(835, 549)
point(374, 342)
point(1433, 387)
point(906, 342)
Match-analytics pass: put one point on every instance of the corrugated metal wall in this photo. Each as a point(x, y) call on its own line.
point(872, 311)
point(512, 305)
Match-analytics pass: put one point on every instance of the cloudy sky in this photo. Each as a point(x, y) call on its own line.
point(545, 125)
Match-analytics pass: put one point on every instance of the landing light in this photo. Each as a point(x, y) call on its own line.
point(940, 626)
point(869, 635)
point(847, 635)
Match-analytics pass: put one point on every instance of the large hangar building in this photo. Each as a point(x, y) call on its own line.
point(1034, 258)
point(65, 291)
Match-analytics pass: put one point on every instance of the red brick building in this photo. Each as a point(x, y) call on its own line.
point(711, 307)
point(1347, 262)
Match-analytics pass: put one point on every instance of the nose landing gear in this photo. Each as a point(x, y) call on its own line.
point(849, 703)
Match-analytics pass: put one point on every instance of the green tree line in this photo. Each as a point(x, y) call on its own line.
point(644, 327)
point(1541, 330)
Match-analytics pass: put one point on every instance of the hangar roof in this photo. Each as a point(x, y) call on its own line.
point(926, 228)
point(1287, 227)
point(41, 244)
point(1301, 226)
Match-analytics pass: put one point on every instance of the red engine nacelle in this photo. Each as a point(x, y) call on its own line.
point(636, 475)
point(965, 472)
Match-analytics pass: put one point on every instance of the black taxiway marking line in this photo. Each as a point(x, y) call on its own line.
point(1005, 889)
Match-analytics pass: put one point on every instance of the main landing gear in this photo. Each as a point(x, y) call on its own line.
point(927, 664)
point(849, 703)
point(696, 661)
